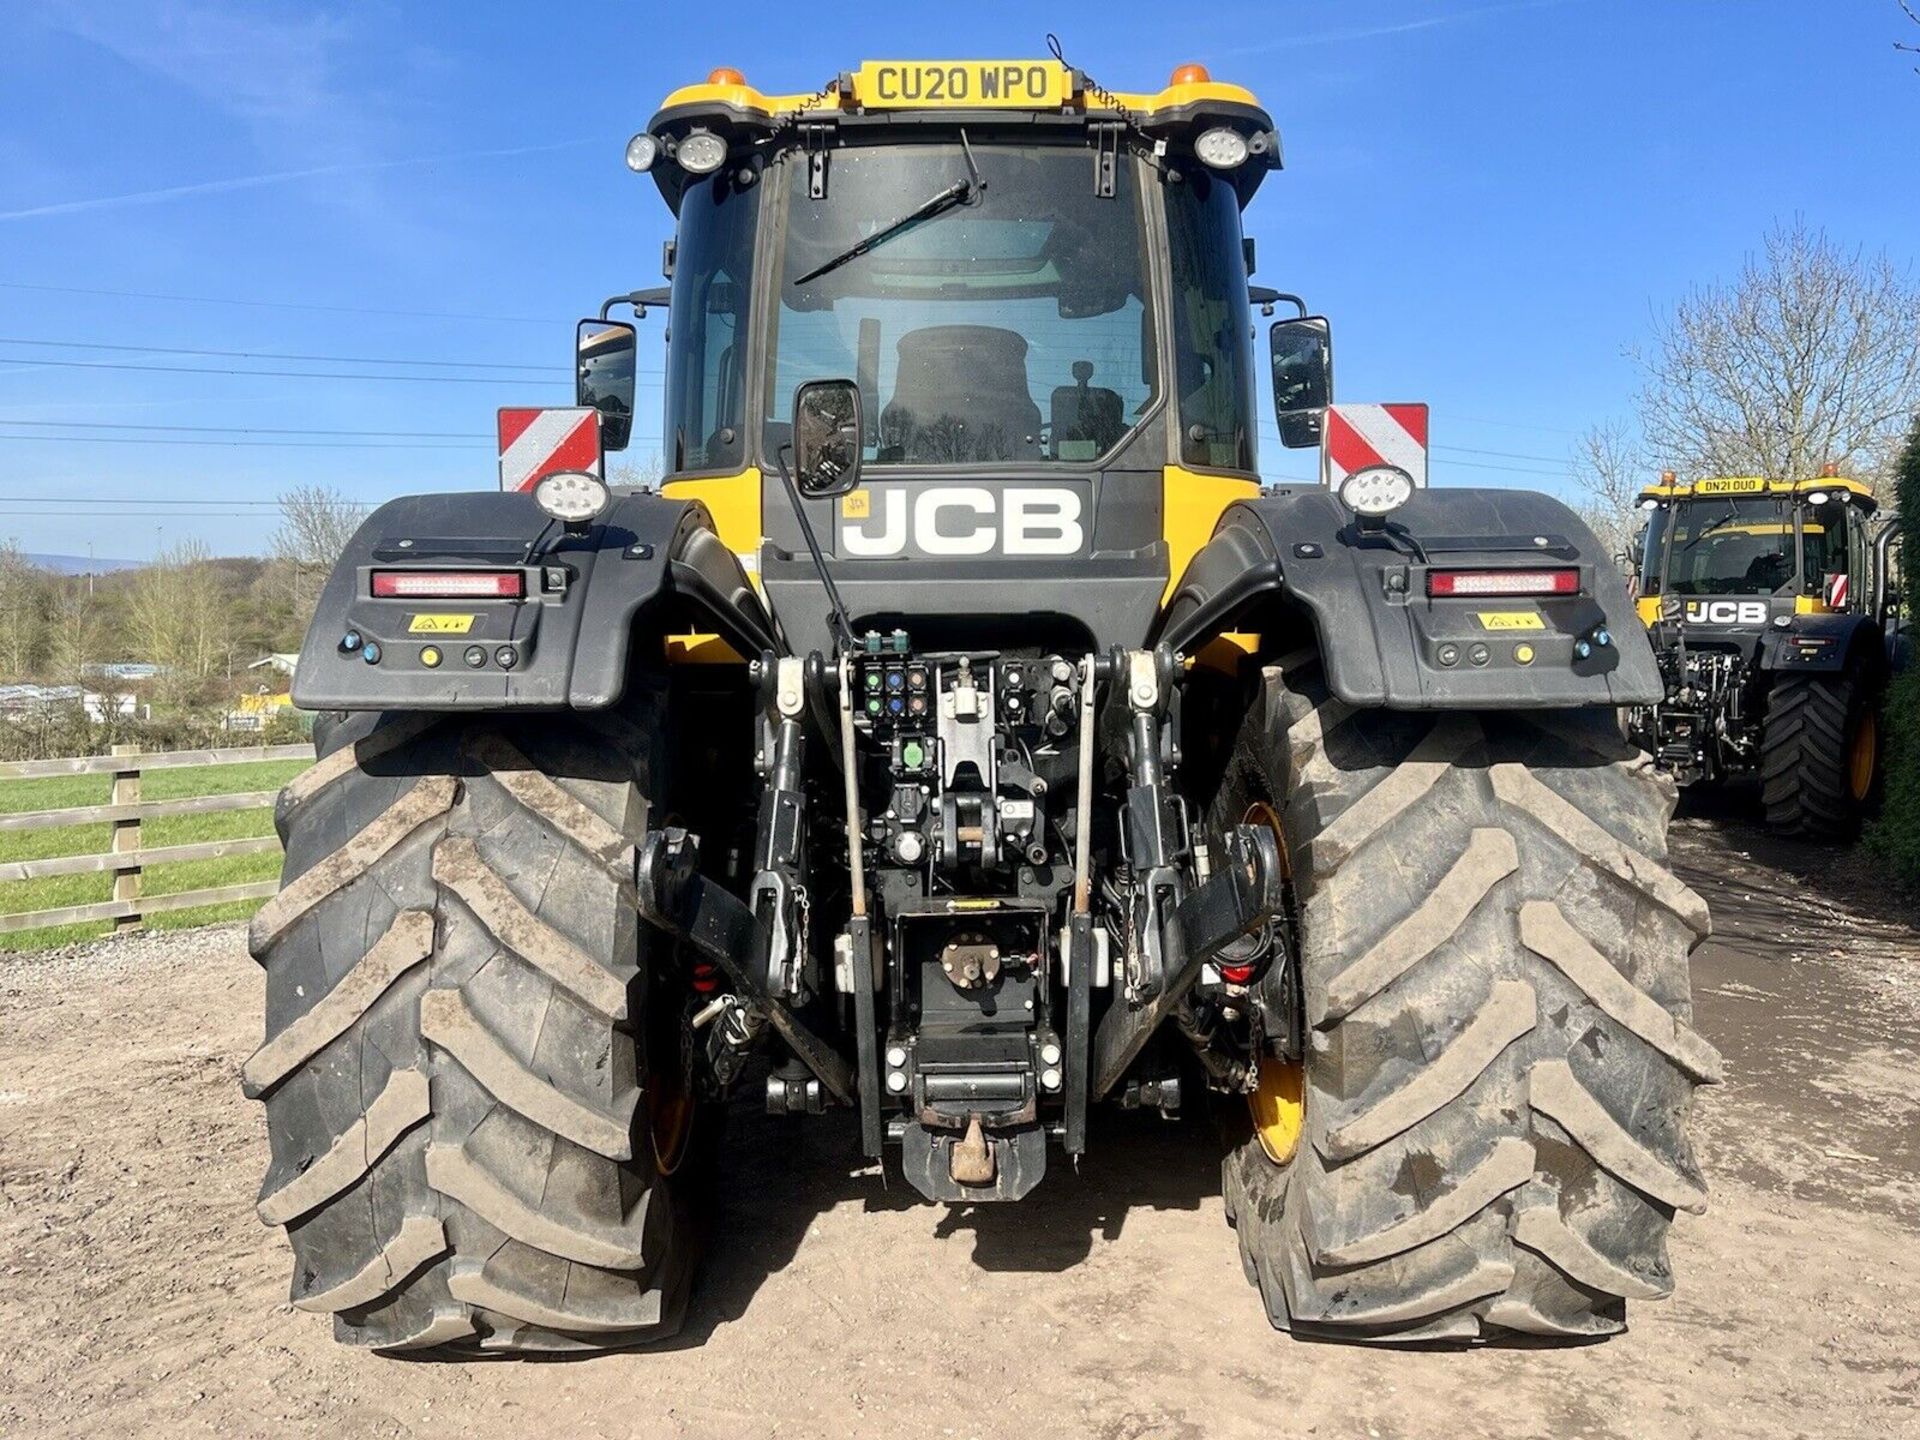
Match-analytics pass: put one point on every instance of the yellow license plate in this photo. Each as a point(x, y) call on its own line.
point(440, 624)
point(962, 84)
point(1511, 620)
point(1753, 486)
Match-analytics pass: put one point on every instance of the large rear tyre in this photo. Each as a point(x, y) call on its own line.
point(1498, 1060)
point(463, 1011)
point(1819, 755)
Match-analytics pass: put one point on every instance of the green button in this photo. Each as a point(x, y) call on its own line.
point(873, 679)
point(912, 755)
point(873, 706)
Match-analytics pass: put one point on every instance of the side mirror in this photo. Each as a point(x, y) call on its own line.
point(1302, 378)
point(826, 437)
point(603, 376)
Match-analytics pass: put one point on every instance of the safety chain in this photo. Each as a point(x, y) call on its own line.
point(1101, 93)
point(794, 116)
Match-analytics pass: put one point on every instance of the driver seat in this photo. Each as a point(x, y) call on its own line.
point(961, 394)
point(1769, 569)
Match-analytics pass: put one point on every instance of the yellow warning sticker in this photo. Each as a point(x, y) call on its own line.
point(856, 505)
point(440, 624)
point(1511, 620)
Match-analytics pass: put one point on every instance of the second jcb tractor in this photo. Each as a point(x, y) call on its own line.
point(961, 739)
point(1776, 627)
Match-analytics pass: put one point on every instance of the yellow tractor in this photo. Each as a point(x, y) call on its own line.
point(961, 738)
point(1776, 627)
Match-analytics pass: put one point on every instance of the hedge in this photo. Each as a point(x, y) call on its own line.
point(1895, 835)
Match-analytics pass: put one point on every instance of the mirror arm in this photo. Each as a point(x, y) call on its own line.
point(842, 621)
point(658, 297)
point(1266, 299)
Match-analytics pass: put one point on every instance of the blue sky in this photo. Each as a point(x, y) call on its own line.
point(1491, 200)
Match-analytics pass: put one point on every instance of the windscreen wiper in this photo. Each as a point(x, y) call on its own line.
point(1711, 526)
point(958, 193)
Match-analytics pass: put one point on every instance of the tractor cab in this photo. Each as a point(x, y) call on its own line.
point(1744, 552)
point(1038, 289)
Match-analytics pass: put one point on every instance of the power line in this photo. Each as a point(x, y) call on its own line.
point(243, 430)
point(37, 363)
point(148, 514)
point(1511, 424)
point(467, 444)
point(1507, 469)
point(268, 355)
point(544, 368)
point(342, 504)
point(277, 304)
point(1271, 432)
point(246, 430)
point(1501, 454)
point(248, 444)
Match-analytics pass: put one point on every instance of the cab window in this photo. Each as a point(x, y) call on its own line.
point(1212, 324)
point(707, 362)
point(1826, 533)
point(1738, 546)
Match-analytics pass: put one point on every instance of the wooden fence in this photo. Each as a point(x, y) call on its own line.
point(126, 856)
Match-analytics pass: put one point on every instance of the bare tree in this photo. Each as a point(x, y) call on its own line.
point(1609, 470)
point(316, 522)
point(23, 613)
point(315, 525)
point(179, 614)
point(1812, 354)
point(1914, 16)
point(74, 635)
point(208, 620)
point(640, 474)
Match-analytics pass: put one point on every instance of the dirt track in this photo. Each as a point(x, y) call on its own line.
point(139, 1295)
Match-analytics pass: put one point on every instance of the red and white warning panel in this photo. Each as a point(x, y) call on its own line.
point(536, 442)
point(1358, 437)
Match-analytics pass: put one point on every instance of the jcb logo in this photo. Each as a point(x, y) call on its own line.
point(943, 520)
point(1727, 612)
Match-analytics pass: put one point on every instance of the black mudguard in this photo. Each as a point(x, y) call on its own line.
point(1297, 558)
point(1824, 645)
point(649, 566)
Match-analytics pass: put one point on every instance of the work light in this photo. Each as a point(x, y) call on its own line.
point(642, 151)
point(701, 153)
point(1222, 148)
point(574, 496)
point(1377, 490)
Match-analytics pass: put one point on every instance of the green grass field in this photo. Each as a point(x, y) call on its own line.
point(65, 791)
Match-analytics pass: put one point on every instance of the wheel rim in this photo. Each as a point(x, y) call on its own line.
point(668, 1082)
point(1278, 1103)
point(1863, 756)
point(670, 1118)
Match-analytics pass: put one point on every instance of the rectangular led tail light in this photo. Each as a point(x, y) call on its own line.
point(449, 584)
point(1479, 583)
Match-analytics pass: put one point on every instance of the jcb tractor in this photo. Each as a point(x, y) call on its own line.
point(960, 739)
point(1776, 628)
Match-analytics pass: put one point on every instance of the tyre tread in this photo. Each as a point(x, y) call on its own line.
point(1495, 1139)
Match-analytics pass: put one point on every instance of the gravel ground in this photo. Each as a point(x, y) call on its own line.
point(142, 1296)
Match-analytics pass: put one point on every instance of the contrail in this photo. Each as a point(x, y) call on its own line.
point(1374, 32)
point(278, 177)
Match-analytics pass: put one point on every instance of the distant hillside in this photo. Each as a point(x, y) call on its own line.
point(80, 564)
